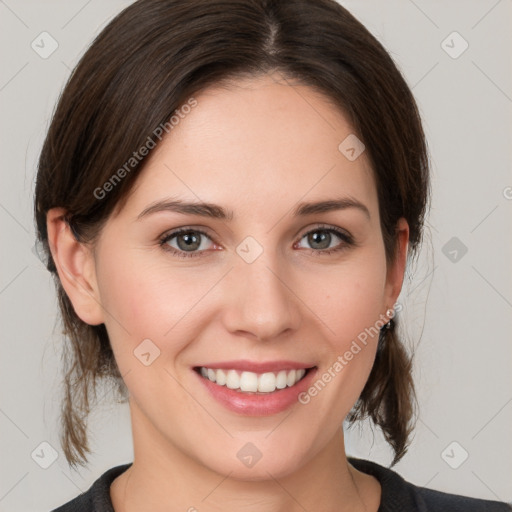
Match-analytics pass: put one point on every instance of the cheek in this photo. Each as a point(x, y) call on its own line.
point(353, 298)
point(150, 324)
point(350, 306)
point(142, 300)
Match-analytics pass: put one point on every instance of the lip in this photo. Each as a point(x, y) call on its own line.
point(257, 404)
point(244, 365)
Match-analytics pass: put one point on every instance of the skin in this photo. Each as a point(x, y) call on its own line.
point(257, 148)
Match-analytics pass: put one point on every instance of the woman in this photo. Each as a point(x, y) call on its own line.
point(228, 195)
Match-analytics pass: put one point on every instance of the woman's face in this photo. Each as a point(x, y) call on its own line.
point(260, 284)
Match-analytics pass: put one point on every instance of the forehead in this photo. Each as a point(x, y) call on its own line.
point(251, 142)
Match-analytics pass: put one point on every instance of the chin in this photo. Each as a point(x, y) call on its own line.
point(261, 471)
point(258, 461)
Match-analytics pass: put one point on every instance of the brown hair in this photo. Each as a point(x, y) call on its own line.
point(152, 58)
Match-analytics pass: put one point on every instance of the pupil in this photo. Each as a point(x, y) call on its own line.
point(190, 241)
point(320, 237)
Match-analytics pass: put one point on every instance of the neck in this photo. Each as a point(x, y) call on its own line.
point(162, 477)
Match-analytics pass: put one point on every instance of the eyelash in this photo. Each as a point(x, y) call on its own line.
point(347, 241)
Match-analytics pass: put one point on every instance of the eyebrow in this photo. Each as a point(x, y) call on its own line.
point(218, 212)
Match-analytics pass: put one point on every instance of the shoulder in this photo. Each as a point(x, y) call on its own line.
point(97, 497)
point(400, 495)
point(437, 500)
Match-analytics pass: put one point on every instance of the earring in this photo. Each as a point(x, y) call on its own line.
point(390, 313)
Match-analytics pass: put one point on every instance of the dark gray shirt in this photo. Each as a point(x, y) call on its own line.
point(397, 494)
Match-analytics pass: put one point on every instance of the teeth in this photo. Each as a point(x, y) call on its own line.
point(220, 378)
point(281, 380)
point(251, 382)
point(266, 382)
point(232, 380)
point(290, 378)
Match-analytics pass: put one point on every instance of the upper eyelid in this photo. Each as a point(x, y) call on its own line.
point(338, 231)
point(177, 231)
point(324, 226)
point(204, 231)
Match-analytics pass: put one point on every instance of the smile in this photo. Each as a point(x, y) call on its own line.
point(251, 382)
point(255, 388)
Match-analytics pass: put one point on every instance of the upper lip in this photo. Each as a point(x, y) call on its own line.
point(256, 367)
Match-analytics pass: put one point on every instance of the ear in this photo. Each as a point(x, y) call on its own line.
point(396, 269)
point(76, 267)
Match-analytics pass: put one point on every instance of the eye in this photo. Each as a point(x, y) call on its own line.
point(325, 240)
point(190, 242)
point(186, 242)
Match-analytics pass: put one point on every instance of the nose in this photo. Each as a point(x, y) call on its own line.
point(261, 301)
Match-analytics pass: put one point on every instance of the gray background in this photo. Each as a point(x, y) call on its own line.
point(457, 305)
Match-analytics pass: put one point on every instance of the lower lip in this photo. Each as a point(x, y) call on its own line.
point(253, 404)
